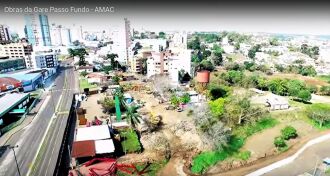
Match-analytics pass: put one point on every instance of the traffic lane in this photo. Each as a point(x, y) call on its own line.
point(26, 152)
point(305, 162)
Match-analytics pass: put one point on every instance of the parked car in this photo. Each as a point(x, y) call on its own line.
point(326, 161)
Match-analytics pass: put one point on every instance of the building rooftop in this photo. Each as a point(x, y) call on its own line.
point(83, 149)
point(93, 133)
point(22, 76)
point(8, 101)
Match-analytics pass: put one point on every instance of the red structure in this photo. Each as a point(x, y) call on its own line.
point(105, 167)
point(7, 83)
point(203, 76)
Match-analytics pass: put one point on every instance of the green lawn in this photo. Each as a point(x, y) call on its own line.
point(207, 159)
point(130, 141)
point(83, 83)
point(325, 78)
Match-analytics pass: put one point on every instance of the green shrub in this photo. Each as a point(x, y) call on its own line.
point(289, 133)
point(244, 155)
point(279, 142)
point(130, 142)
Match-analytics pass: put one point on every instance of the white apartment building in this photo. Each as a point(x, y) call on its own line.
point(121, 37)
point(76, 33)
point(55, 34)
point(179, 40)
point(169, 63)
point(154, 44)
point(16, 50)
point(42, 59)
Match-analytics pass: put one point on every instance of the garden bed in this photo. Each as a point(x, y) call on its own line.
point(130, 141)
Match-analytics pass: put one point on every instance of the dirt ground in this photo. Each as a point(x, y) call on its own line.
point(262, 143)
point(178, 142)
point(92, 108)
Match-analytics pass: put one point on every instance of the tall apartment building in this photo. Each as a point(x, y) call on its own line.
point(37, 29)
point(121, 37)
point(55, 34)
point(4, 34)
point(76, 33)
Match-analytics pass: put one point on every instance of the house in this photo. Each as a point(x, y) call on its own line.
point(275, 102)
point(96, 77)
point(88, 69)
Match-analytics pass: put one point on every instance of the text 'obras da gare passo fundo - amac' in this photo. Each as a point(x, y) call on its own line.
point(53, 9)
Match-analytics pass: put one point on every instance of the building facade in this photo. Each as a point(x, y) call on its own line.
point(4, 34)
point(37, 29)
point(16, 50)
point(11, 64)
point(43, 59)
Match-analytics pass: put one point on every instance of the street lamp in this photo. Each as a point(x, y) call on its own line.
point(13, 148)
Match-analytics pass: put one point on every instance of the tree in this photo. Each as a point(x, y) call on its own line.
point(304, 95)
point(194, 44)
point(319, 112)
point(217, 56)
point(132, 116)
point(161, 35)
point(108, 105)
point(274, 41)
point(206, 54)
point(80, 52)
point(294, 87)
point(217, 107)
point(278, 86)
point(206, 65)
point(185, 98)
point(289, 133)
point(144, 68)
point(217, 91)
point(115, 79)
point(279, 142)
point(234, 77)
point(83, 73)
point(112, 58)
point(239, 110)
point(307, 71)
point(175, 100)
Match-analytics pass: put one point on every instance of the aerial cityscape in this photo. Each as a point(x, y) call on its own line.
point(130, 97)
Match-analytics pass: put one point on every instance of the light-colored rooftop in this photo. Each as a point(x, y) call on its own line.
point(104, 146)
point(8, 101)
point(93, 133)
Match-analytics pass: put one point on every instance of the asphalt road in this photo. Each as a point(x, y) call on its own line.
point(31, 137)
point(306, 162)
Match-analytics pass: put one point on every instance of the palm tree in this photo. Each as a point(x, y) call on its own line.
point(132, 116)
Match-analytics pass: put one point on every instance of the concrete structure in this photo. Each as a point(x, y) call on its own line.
point(277, 103)
point(37, 29)
point(178, 40)
point(4, 34)
point(11, 104)
point(11, 64)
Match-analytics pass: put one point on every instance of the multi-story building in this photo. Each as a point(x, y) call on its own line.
point(66, 36)
point(169, 63)
point(76, 33)
point(55, 34)
point(136, 62)
point(16, 50)
point(121, 38)
point(4, 34)
point(10, 64)
point(37, 29)
point(43, 59)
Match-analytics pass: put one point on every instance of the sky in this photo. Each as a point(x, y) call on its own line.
point(315, 21)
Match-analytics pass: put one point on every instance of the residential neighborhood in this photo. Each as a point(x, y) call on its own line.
point(129, 100)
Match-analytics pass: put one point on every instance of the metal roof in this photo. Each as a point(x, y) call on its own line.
point(93, 133)
point(83, 149)
point(8, 101)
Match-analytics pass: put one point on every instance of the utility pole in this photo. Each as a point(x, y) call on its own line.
point(13, 148)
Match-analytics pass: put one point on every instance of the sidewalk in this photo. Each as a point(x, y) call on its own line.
point(28, 119)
